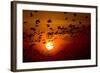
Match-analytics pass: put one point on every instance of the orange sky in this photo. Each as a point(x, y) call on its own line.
point(61, 28)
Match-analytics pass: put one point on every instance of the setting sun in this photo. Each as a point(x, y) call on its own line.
point(52, 35)
point(49, 45)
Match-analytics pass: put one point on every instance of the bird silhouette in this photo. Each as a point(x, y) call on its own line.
point(49, 21)
point(25, 22)
point(37, 21)
point(66, 18)
point(32, 28)
point(74, 14)
point(31, 14)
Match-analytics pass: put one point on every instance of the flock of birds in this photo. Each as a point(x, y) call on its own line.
point(35, 37)
point(71, 29)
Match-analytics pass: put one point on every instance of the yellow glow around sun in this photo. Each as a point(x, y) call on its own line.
point(49, 45)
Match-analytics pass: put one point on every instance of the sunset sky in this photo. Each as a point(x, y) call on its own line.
point(55, 36)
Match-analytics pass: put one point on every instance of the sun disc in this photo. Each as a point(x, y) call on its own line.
point(49, 46)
